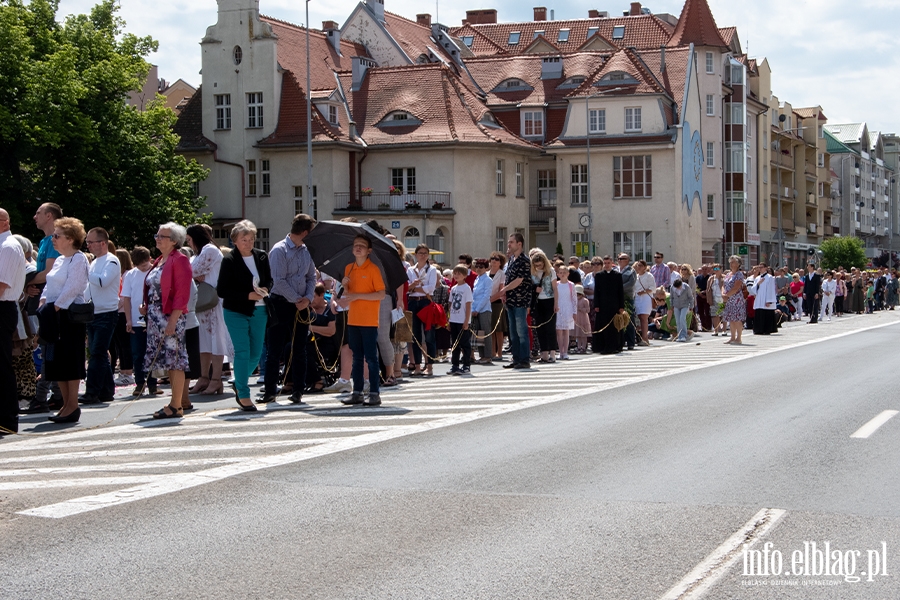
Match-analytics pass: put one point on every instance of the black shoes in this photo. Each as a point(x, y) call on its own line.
point(297, 398)
point(72, 417)
point(237, 398)
point(267, 398)
point(511, 365)
point(373, 400)
point(355, 398)
point(92, 399)
point(522, 366)
point(35, 408)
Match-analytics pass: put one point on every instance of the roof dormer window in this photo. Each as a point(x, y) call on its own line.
point(514, 84)
point(618, 32)
point(399, 118)
point(538, 32)
point(467, 40)
point(514, 38)
point(572, 82)
point(563, 36)
point(592, 31)
point(617, 78)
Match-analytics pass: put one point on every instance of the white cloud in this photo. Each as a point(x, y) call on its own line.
point(822, 52)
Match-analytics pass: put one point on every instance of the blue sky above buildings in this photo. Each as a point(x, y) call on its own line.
point(840, 55)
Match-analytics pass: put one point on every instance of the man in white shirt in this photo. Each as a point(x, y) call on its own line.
point(104, 276)
point(12, 283)
point(136, 325)
point(829, 287)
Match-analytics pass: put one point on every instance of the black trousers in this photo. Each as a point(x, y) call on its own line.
point(289, 330)
point(9, 397)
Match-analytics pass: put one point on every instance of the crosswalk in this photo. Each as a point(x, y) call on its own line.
point(77, 471)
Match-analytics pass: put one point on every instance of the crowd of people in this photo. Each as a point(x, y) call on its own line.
point(80, 309)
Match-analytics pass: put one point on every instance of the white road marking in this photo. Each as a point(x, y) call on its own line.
point(95, 468)
point(705, 575)
point(180, 481)
point(873, 425)
point(8, 486)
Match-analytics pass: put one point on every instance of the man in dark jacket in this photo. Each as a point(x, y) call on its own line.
point(812, 284)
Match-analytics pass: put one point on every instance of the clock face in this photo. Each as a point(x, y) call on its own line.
point(585, 221)
point(698, 160)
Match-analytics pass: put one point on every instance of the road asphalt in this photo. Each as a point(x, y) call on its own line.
point(603, 477)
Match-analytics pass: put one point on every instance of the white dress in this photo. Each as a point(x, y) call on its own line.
point(567, 302)
point(214, 337)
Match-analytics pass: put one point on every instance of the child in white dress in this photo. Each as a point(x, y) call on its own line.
point(565, 307)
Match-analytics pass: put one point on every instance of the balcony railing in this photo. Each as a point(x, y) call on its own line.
point(384, 201)
point(540, 215)
point(786, 224)
point(783, 160)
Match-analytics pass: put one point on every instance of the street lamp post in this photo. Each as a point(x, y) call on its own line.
point(589, 228)
point(309, 160)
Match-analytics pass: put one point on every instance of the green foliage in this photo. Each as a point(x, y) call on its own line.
point(559, 249)
point(67, 134)
point(843, 252)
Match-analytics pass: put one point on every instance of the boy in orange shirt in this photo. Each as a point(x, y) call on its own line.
point(363, 291)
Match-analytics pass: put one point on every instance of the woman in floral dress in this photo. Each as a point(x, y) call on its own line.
point(735, 306)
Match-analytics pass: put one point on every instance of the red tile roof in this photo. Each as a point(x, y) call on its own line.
point(449, 111)
point(415, 39)
point(697, 26)
point(641, 31)
point(189, 126)
point(291, 129)
point(627, 61)
point(292, 53)
point(727, 34)
point(808, 113)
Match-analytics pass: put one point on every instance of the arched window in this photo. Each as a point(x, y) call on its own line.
point(411, 237)
point(238, 55)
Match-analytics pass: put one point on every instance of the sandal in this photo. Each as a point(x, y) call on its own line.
point(389, 382)
point(162, 414)
point(187, 408)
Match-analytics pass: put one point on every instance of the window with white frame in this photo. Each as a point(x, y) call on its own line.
point(735, 207)
point(411, 237)
point(597, 120)
point(254, 110)
point(633, 118)
point(710, 105)
point(404, 179)
point(821, 189)
point(637, 244)
point(820, 160)
point(737, 74)
point(710, 154)
point(821, 131)
point(266, 177)
point(710, 206)
point(734, 157)
point(262, 240)
point(632, 177)
point(500, 239)
point(223, 111)
point(579, 184)
point(312, 207)
point(533, 123)
point(520, 180)
point(500, 179)
point(710, 66)
point(547, 187)
point(333, 115)
point(251, 177)
point(576, 238)
point(734, 113)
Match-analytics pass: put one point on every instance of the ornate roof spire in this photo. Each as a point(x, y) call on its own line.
point(697, 26)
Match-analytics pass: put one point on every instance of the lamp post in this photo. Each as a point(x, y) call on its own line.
point(309, 160)
point(589, 227)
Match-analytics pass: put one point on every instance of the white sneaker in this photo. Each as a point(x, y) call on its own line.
point(124, 380)
point(366, 387)
point(338, 387)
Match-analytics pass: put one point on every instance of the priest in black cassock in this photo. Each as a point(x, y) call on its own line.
point(609, 300)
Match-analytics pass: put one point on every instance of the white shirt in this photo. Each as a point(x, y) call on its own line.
point(460, 294)
point(12, 267)
point(67, 281)
point(251, 264)
point(104, 275)
point(829, 287)
point(645, 283)
point(427, 275)
point(133, 288)
point(766, 293)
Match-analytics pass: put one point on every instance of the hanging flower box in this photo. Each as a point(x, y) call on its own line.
point(393, 191)
point(384, 206)
point(366, 191)
point(354, 205)
point(413, 205)
point(438, 206)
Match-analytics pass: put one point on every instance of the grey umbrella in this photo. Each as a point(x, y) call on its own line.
point(330, 244)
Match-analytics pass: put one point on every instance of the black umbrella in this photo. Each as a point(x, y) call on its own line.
point(330, 244)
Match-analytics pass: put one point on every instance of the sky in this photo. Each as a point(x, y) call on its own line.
point(837, 54)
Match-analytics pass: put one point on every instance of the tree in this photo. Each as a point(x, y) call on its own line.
point(559, 249)
point(843, 252)
point(67, 134)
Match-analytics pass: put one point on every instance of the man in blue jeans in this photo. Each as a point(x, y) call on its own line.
point(104, 275)
point(517, 291)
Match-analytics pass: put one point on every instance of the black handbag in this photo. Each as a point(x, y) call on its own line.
point(81, 313)
point(271, 312)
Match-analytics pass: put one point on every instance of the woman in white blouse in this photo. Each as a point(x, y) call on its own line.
point(66, 284)
point(215, 341)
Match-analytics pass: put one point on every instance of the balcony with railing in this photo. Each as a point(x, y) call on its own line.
point(429, 202)
point(783, 160)
point(539, 216)
point(786, 224)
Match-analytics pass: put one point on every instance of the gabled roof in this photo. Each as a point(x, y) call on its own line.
point(413, 38)
point(291, 129)
point(627, 61)
point(597, 42)
point(189, 126)
point(540, 45)
point(292, 53)
point(846, 133)
point(697, 26)
point(810, 112)
point(640, 31)
point(489, 71)
point(444, 108)
point(835, 146)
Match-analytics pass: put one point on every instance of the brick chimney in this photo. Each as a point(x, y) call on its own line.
point(540, 13)
point(593, 14)
point(424, 20)
point(481, 17)
point(333, 33)
point(635, 8)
